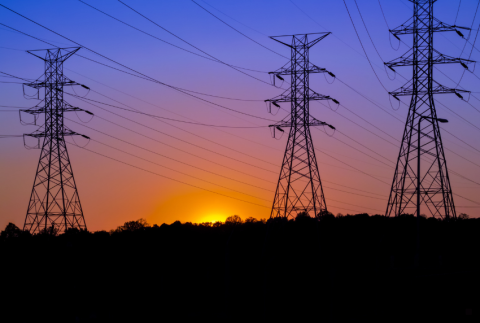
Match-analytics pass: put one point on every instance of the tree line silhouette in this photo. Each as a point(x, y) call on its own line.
point(333, 269)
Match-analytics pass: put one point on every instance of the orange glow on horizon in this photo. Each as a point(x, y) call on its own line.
point(213, 217)
point(199, 207)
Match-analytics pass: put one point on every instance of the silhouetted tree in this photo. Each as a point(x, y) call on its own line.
point(302, 215)
point(217, 224)
point(196, 265)
point(12, 231)
point(75, 232)
point(234, 219)
point(51, 231)
point(176, 223)
point(131, 226)
point(325, 214)
point(362, 215)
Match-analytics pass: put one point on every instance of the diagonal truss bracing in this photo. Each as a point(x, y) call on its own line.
point(421, 176)
point(299, 187)
point(54, 202)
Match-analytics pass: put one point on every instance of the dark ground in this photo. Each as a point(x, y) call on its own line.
point(348, 269)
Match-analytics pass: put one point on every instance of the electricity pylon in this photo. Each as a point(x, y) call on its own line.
point(299, 187)
point(54, 202)
point(422, 142)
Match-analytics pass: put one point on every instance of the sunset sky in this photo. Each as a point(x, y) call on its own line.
point(178, 171)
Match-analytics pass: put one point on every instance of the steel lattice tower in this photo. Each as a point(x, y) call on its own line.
point(54, 203)
point(299, 187)
point(430, 184)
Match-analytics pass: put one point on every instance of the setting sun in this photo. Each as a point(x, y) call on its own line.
point(213, 217)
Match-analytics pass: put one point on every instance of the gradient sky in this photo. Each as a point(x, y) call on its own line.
point(248, 160)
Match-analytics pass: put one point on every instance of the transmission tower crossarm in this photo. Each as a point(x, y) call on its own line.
point(311, 123)
point(436, 88)
point(308, 44)
point(67, 109)
point(438, 58)
point(62, 55)
point(311, 68)
point(312, 96)
point(409, 27)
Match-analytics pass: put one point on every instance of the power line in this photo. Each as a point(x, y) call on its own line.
point(471, 124)
point(367, 58)
point(196, 167)
point(184, 151)
point(223, 13)
point(369, 131)
point(407, 106)
point(458, 10)
point(162, 155)
point(167, 123)
point(168, 110)
point(383, 14)
point(181, 115)
point(96, 52)
point(368, 33)
point(183, 40)
point(383, 109)
point(165, 118)
point(353, 188)
point(463, 197)
point(188, 142)
point(336, 189)
point(362, 55)
point(10, 136)
point(369, 124)
point(159, 107)
point(466, 40)
point(194, 144)
point(368, 99)
point(17, 77)
point(452, 171)
point(169, 168)
point(135, 75)
point(155, 116)
point(366, 148)
point(188, 184)
point(152, 79)
point(182, 182)
point(345, 43)
point(362, 48)
point(169, 178)
point(165, 109)
point(330, 199)
point(352, 166)
point(444, 130)
point(214, 59)
point(360, 40)
point(239, 31)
